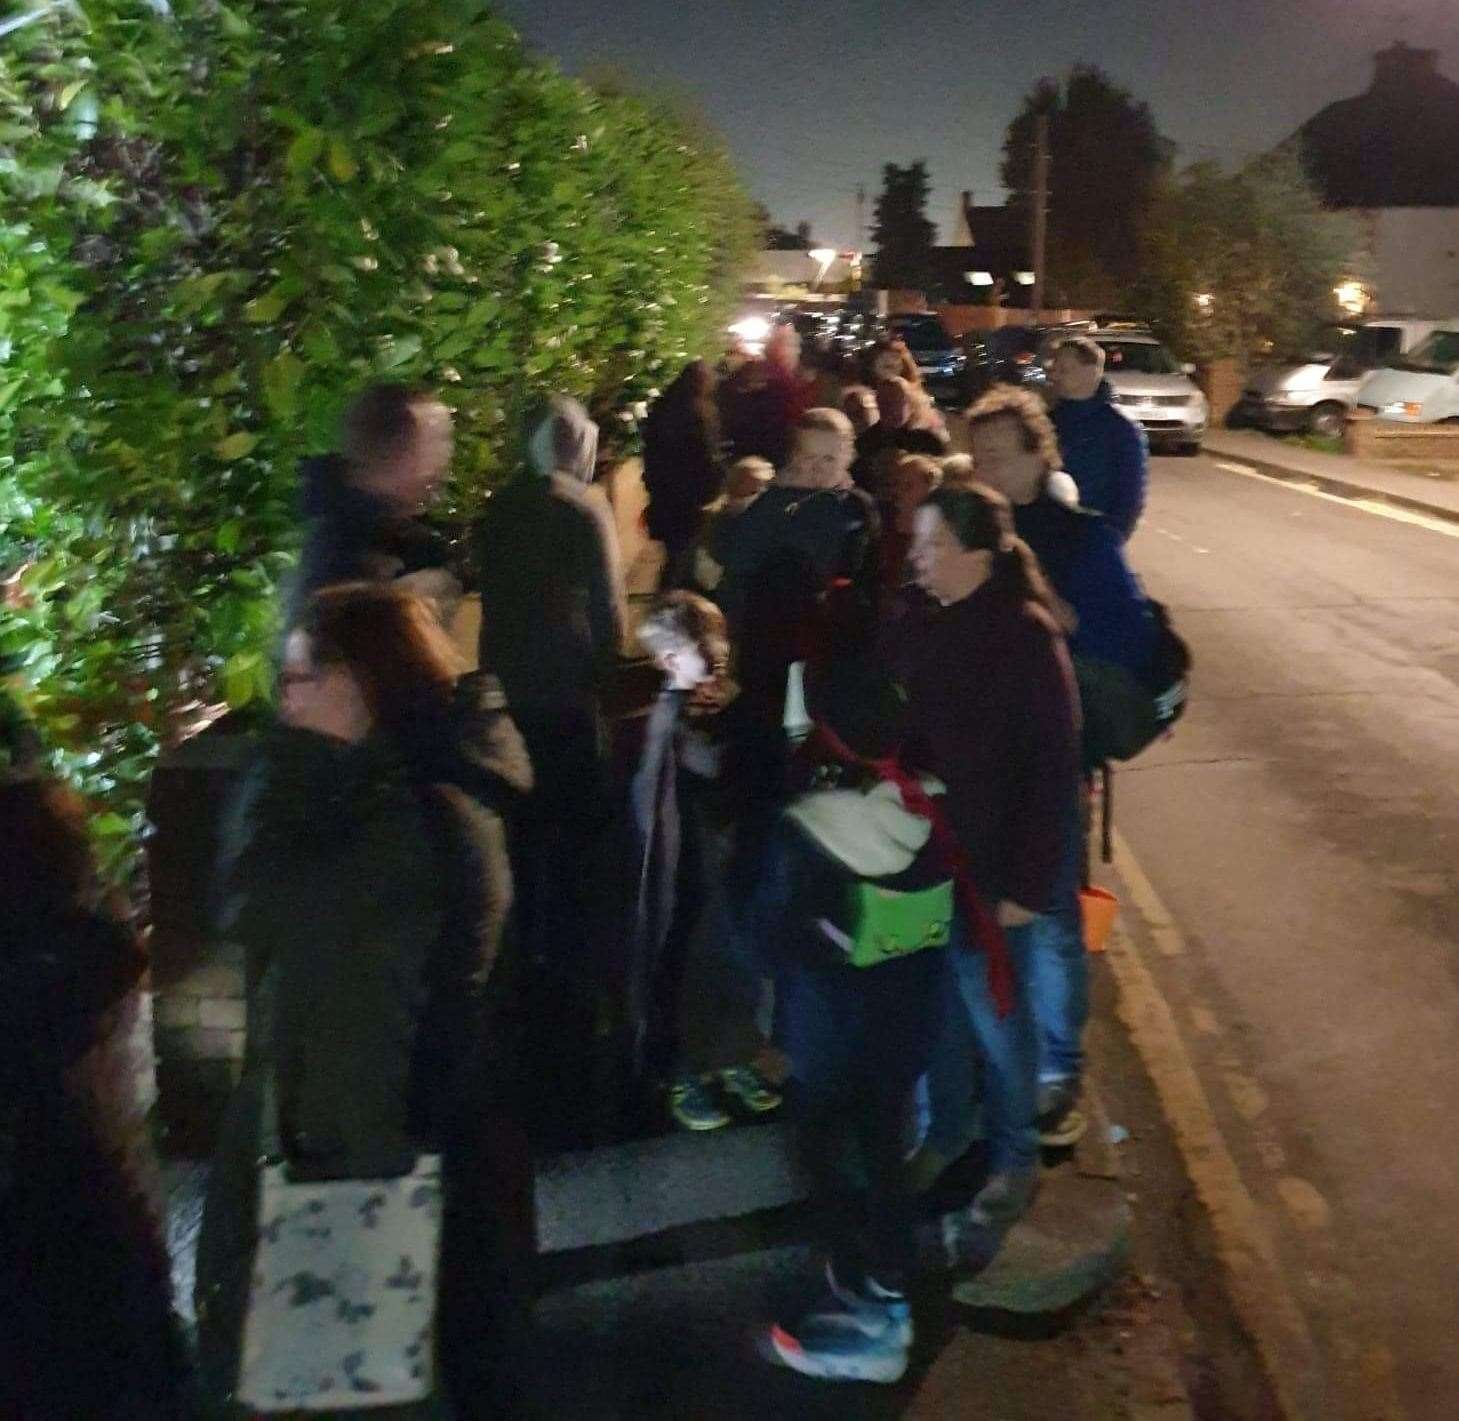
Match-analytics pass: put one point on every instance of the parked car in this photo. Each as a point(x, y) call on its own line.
point(1152, 388)
point(941, 360)
point(1011, 355)
point(1421, 387)
point(1318, 390)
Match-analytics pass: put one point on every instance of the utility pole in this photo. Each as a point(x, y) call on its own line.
point(1040, 207)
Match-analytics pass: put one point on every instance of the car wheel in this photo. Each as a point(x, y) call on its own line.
point(1328, 420)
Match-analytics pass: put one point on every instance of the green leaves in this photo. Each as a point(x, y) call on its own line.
point(215, 225)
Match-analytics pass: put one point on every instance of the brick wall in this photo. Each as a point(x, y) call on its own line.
point(198, 1005)
point(1388, 440)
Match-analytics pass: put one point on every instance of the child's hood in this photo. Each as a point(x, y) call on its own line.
point(870, 831)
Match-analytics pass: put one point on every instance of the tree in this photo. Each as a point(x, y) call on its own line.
point(216, 221)
point(1238, 264)
point(775, 238)
point(901, 231)
point(1105, 157)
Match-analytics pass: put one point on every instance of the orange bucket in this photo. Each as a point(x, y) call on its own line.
point(1099, 908)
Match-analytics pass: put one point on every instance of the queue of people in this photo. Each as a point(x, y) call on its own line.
point(886, 674)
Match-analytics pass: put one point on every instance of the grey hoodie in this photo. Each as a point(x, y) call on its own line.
point(551, 588)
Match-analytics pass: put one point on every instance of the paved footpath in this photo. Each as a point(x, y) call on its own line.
point(1341, 475)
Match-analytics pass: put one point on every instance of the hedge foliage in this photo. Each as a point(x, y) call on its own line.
point(1240, 264)
point(220, 219)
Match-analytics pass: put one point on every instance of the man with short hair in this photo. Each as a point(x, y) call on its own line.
point(361, 504)
point(1107, 455)
point(812, 514)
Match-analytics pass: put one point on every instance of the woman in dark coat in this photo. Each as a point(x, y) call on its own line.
point(682, 469)
point(367, 879)
point(89, 1328)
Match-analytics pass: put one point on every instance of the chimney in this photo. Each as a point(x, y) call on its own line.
point(1401, 64)
point(962, 223)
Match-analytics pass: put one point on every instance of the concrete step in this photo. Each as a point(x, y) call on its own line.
point(616, 1193)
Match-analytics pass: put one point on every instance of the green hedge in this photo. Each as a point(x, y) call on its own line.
point(217, 221)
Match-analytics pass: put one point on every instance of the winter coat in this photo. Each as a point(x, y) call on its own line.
point(1108, 456)
point(370, 907)
point(89, 1328)
point(552, 610)
point(353, 535)
point(1082, 556)
point(830, 533)
point(760, 405)
point(682, 471)
point(993, 713)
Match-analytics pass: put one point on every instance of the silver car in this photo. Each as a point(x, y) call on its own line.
point(1152, 388)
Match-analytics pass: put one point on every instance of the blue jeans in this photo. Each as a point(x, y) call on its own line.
point(858, 1039)
point(972, 1040)
point(1058, 969)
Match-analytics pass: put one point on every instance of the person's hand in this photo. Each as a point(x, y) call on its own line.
point(1014, 915)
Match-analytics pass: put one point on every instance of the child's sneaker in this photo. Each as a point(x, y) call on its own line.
point(862, 1336)
point(694, 1107)
point(750, 1088)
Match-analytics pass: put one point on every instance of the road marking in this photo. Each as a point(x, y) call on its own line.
point(1256, 1281)
point(1368, 505)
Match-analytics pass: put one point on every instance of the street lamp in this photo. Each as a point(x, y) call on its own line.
point(978, 278)
point(1025, 278)
point(823, 257)
point(1352, 296)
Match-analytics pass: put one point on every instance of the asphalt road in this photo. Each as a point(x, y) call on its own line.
point(1302, 828)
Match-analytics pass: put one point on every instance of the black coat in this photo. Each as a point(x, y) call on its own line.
point(353, 536)
point(88, 1325)
point(371, 906)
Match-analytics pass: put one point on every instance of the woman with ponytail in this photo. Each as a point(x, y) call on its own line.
point(993, 713)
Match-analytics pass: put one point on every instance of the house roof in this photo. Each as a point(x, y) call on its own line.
point(1394, 145)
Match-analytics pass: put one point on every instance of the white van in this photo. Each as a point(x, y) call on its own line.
point(1317, 390)
point(1423, 386)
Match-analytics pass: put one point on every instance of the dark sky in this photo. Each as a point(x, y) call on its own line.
point(814, 96)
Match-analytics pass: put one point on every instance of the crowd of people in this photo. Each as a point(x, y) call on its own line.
point(471, 902)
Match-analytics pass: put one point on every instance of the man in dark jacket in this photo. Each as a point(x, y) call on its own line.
point(1107, 455)
point(361, 505)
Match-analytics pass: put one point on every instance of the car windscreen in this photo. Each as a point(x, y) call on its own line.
point(1438, 355)
point(1137, 357)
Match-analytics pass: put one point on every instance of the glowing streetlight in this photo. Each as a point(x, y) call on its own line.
point(823, 257)
point(1025, 278)
point(1203, 301)
point(1352, 296)
point(978, 278)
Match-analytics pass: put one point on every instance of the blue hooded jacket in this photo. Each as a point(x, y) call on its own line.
point(1107, 455)
point(1083, 558)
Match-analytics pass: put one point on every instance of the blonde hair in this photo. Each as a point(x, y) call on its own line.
point(824, 420)
point(1027, 411)
point(958, 471)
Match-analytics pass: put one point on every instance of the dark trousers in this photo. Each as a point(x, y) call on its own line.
point(858, 1040)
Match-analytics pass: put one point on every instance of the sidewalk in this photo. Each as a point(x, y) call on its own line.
point(1338, 474)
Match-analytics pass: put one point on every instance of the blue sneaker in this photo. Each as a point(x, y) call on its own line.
point(694, 1107)
point(863, 1336)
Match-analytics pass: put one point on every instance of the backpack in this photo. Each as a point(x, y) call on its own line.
point(1124, 713)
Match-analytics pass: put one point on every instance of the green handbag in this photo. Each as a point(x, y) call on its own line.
point(885, 924)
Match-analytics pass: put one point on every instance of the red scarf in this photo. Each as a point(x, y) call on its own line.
point(984, 926)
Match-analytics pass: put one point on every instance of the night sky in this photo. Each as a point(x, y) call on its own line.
point(813, 96)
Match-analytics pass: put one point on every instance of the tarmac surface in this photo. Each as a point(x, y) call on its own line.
point(1297, 843)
